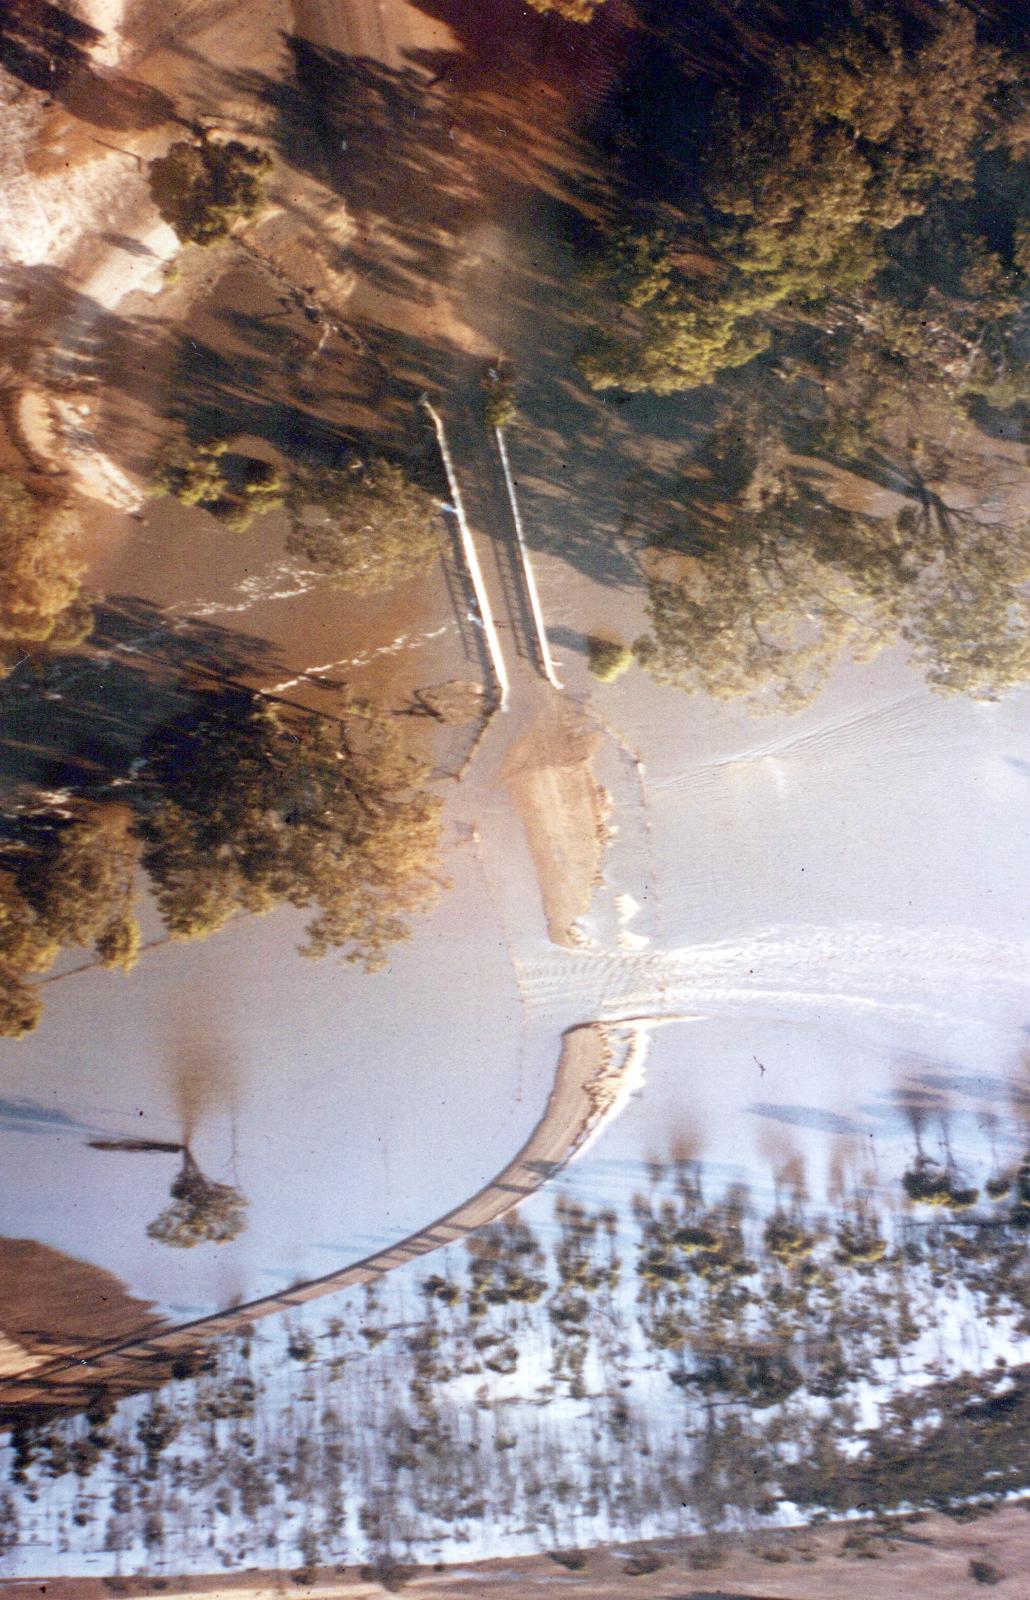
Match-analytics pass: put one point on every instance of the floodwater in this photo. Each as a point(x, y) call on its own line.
point(831, 900)
point(814, 929)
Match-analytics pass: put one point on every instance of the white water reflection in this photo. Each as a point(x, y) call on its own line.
point(942, 975)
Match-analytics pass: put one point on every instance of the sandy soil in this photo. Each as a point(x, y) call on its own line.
point(564, 809)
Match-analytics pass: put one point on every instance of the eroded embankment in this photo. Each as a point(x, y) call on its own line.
point(586, 1086)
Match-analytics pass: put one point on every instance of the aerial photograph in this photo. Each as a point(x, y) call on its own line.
point(515, 799)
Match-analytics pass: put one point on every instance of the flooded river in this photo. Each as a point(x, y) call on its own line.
point(721, 1018)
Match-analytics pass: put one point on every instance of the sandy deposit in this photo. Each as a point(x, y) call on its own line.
point(75, 1303)
point(550, 776)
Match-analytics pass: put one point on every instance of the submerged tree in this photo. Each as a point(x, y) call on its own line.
point(762, 596)
point(366, 525)
point(202, 1211)
point(255, 810)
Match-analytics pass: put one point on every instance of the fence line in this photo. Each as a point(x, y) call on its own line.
point(546, 659)
point(471, 559)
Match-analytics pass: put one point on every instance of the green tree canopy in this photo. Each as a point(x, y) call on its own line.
point(368, 526)
point(254, 810)
point(762, 600)
point(232, 486)
point(571, 10)
point(202, 187)
point(852, 136)
point(39, 580)
point(75, 886)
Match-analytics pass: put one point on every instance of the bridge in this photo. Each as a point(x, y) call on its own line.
point(485, 507)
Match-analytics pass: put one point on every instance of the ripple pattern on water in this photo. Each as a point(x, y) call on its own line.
point(930, 972)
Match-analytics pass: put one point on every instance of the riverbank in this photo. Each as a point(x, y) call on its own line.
point(925, 1556)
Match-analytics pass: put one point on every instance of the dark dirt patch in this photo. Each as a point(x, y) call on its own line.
point(50, 1299)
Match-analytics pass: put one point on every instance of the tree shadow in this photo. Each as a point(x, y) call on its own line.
point(47, 48)
point(372, 134)
point(813, 1117)
point(80, 721)
point(506, 48)
point(33, 1117)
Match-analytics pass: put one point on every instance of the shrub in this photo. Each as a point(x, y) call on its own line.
point(500, 409)
point(608, 659)
point(201, 189)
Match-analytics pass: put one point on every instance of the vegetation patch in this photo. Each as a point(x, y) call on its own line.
point(41, 599)
point(203, 187)
point(233, 487)
point(236, 810)
point(608, 659)
point(858, 219)
point(75, 887)
point(368, 526)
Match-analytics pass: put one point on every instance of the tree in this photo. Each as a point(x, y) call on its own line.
point(853, 135)
point(571, 10)
point(39, 582)
point(763, 599)
point(80, 884)
point(748, 606)
point(201, 187)
point(254, 810)
point(202, 1211)
point(367, 525)
point(74, 887)
point(232, 487)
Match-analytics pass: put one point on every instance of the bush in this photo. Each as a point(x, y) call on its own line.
point(367, 525)
point(572, 1560)
point(643, 1564)
point(571, 10)
point(500, 409)
point(201, 189)
point(232, 487)
point(608, 659)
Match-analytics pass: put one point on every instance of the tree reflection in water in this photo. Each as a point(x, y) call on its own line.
point(202, 1211)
